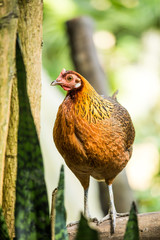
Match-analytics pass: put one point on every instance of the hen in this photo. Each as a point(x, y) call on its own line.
point(94, 135)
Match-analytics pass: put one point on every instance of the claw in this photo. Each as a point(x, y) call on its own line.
point(107, 217)
point(112, 217)
point(122, 214)
point(95, 220)
point(72, 224)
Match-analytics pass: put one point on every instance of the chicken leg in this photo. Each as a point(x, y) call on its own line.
point(86, 208)
point(112, 213)
point(112, 210)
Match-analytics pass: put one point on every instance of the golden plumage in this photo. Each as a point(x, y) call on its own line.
point(94, 135)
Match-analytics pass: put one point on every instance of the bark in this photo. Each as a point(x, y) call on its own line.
point(80, 32)
point(10, 170)
point(25, 19)
point(8, 29)
point(30, 35)
point(149, 228)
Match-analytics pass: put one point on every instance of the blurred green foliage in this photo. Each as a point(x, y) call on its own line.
point(148, 201)
point(4, 235)
point(128, 21)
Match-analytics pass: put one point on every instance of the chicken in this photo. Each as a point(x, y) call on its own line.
point(93, 134)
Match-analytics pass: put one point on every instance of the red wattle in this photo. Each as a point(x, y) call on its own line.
point(66, 88)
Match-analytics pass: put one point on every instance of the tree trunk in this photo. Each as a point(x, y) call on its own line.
point(24, 19)
point(149, 228)
point(8, 29)
point(30, 35)
point(80, 31)
point(10, 170)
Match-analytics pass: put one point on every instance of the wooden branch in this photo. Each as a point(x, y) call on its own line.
point(149, 228)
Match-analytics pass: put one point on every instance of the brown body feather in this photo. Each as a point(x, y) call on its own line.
point(94, 135)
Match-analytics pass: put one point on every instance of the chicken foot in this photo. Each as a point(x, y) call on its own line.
point(86, 211)
point(112, 214)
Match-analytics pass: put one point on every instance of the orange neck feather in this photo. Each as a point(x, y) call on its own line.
point(89, 104)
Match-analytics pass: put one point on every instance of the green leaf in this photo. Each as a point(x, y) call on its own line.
point(31, 210)
point(85, 232)
point(132, 231)
point(60, 218)
point(4, 235)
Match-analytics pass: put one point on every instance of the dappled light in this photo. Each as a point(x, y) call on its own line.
point(104, 39)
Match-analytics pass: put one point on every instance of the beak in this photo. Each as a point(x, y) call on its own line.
point(54, 83)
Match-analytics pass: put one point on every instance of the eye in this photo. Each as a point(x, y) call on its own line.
point(69, 78)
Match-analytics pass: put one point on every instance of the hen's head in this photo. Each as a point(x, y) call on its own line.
point(68, 80)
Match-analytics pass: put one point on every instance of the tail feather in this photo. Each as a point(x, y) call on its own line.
point(114, 96)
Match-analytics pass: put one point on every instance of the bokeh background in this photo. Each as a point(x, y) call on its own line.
point(127, 40)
